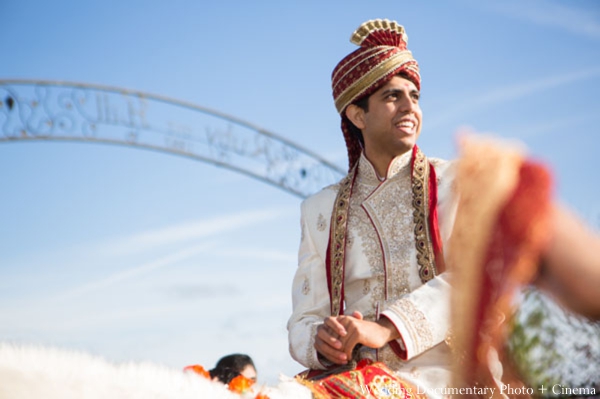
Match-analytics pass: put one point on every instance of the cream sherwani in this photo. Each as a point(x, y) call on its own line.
point(381, 275)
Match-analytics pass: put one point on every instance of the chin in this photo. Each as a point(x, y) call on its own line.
point(404, 146)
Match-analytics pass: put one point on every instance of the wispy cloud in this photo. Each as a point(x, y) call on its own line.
point(117, 249)
point(130, 273)
point(188, 231)
point(171, 241)
point(262, 254)
point(547, 13)
point(201, 291)
point(509, 93)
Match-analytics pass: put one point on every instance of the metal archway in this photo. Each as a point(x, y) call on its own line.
point(66, 111)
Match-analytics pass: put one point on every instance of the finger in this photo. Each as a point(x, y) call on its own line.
point(330, 353)
point(349, 323)
point(324, 333)
point(334, 324)
point(334, 333)
point(357, 315)
point(349, 342)
point(331, 332)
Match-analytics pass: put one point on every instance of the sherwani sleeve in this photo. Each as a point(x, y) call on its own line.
point(310, 296)
point(422, 317)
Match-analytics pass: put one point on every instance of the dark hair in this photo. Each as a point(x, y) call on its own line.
point(230, 366)
point(362, 103)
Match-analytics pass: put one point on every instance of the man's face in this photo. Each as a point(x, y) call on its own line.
point(392, 124)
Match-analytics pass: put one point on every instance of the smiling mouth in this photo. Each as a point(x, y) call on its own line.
point(406, 124)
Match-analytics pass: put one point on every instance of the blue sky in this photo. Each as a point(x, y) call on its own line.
point(138, 255)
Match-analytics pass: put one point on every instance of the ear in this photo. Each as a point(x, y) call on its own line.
point(356, 115)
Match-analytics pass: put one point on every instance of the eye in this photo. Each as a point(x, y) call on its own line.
point(416, 95)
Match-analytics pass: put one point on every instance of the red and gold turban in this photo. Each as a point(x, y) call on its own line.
point(381, 55)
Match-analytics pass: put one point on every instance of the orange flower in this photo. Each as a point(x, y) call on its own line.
point(262, 396)
point(240, 384)
point(196, 368)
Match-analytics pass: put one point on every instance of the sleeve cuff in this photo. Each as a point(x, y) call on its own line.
point(397, 345)
point(398, 348)
point(415, 332)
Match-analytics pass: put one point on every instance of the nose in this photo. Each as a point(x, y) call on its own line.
point(406, 103)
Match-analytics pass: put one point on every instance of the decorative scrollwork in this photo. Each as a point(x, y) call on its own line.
point(40, 110)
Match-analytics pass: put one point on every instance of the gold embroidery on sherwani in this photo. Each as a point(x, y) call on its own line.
point(419, 329)
point(349, 239)
point(384, 226)
point(360, 223)
point(366, 286)
point(310, 348)
point(321, 222)
point(339, 220)
point(389, 208)
point(305, 286)
point(420, 189)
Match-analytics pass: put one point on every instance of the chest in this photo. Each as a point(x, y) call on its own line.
point(381, 241)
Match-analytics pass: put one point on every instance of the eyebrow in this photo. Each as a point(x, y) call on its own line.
point(394, 90)
point(389, 91)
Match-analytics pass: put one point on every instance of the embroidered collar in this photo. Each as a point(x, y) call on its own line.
point(368, 175)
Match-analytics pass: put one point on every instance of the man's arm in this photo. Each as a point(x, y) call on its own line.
point(317, 340)
point(310, 296)
point(422, 317)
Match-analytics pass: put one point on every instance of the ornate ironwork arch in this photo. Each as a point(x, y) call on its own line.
point(45, 110)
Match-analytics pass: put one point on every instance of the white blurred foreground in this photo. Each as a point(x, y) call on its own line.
point(33, 372)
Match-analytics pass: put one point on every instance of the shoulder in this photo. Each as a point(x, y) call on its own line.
point(321, 200)
point(440, 163)
point(444, 169)
point(317, 209)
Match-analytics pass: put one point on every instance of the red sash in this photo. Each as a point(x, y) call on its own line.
point(368, 380)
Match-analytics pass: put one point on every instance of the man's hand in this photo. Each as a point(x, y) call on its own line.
point(337, 336)
point(328, 343)
point(374, 334)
